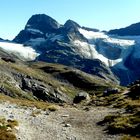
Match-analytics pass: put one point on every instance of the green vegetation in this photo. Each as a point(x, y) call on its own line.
point(124, 124)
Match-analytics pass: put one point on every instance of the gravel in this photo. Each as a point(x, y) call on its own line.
point(67, 123)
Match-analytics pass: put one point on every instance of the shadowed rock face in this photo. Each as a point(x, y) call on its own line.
point(70, 30)
point(43, 23)
point(71, 25)
point(26, 35)
point(94, 67)
point(37, 27)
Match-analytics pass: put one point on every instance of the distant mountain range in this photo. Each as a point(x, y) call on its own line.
point(110, 55)
point(131, 30)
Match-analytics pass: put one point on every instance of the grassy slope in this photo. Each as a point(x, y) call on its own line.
point(73, 77)
point(127, 120)
point(69, 81)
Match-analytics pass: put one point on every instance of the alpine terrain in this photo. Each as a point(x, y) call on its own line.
point(70, 82)
point(90, 50)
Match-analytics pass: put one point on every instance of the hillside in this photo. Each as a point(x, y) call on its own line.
point(37, 97)
point(44, 81)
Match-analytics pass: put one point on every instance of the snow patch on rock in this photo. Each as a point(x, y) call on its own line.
point(57, 37)
point(34, 31)
point(36, 41)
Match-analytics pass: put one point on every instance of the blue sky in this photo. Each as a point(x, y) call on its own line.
point(101, 14)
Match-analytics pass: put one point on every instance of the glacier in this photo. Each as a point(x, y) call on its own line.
point(27, 52)
point(111, 50)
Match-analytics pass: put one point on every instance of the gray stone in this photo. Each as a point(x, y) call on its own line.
point(67, 125)
point(81, 96)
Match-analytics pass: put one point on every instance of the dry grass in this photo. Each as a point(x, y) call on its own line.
point(12, 123)
point(52, 108)
point(127, 122)
point(5, 132)
point(127, 137)
point(27, 103)
point(5, 135)
point(123, 123)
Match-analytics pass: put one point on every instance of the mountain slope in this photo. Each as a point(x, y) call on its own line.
point(60, 45)
point(92, 51)
point(44, 81)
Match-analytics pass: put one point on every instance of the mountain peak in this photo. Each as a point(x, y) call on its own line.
point(71, 24)
point(1, 39)
point(42, 22)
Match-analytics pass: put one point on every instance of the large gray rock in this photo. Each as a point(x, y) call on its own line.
point(81, 96)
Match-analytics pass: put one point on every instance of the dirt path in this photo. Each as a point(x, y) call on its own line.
point(64, 124)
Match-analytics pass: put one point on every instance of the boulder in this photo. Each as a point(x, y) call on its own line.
point(110, 91)
point(8, 59)
point(81, 96)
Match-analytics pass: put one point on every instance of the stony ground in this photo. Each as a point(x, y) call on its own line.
point(67, 123)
